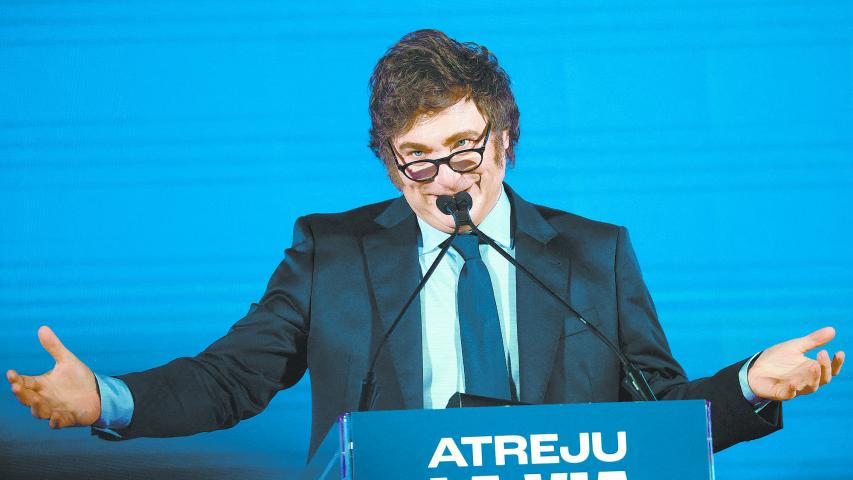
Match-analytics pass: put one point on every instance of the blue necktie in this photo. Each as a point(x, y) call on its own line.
point(482, 345)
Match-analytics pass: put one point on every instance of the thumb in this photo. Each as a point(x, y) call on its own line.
point(51, 343)
point(815, 339)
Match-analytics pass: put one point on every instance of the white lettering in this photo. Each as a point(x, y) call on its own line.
point(453, 455)
point(537, 476)
point(583, 452)
point(612, 476)
point(543, 449)
point(486, 477)
point(537, 449)
point(502, 451)
point(579, 476)
point(598, 450)
point(476, 448)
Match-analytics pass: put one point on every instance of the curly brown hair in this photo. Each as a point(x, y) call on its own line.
point(426, 72)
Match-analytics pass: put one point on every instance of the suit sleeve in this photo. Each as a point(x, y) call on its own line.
point(236, 376)
point(641, 337)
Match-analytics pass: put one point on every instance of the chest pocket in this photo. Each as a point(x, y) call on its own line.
point(572, 324)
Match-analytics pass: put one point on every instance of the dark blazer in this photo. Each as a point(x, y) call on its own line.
point(346, 277)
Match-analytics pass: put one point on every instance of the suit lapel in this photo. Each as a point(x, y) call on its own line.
point(541, 321)
point(394, 271)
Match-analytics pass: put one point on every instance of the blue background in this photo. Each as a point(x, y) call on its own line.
point(154, 155)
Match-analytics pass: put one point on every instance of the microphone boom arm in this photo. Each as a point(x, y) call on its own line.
point(368, 385)
point(633, 376)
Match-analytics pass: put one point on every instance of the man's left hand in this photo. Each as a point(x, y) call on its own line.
point(783, 371)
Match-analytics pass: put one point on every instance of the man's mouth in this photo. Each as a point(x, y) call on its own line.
point(448, 192)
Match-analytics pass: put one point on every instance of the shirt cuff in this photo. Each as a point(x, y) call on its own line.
point(116, 404)
point(757, 402)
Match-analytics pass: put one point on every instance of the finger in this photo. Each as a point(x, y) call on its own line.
point(55, 422)
point(40, 409)
point(68, 420)
point(24, 382)
point(25, 396)
point(825, 367)
point(810, 379)
point(815, 339)
point(37, 412)
point(61, 419)
point(11, 376)
point(784, 391)
point(51, 343)
point(30, 383)
point(837, 361)
point(804, 378)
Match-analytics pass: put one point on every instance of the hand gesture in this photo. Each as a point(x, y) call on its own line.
point(783, 371)
point(67, 395)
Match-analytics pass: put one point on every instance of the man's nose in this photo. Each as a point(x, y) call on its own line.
point(447, 176)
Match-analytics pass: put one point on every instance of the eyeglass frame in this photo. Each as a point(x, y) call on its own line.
point(444, 160)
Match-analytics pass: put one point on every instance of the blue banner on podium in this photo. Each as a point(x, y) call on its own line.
point(601, 441)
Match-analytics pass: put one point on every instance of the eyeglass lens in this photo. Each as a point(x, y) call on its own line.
point(461, 162)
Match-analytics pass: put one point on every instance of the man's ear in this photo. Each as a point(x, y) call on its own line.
point(505, 139)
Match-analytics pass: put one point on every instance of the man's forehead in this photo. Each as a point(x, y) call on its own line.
point(436, 127)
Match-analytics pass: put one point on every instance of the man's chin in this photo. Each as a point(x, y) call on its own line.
point(439, 220)
point(446, 222)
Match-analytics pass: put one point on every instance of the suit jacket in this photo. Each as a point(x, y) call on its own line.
point(348, 274)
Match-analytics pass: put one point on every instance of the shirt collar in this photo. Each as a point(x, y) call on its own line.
point(496, 225)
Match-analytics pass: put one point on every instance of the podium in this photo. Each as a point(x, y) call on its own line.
point(594, 441)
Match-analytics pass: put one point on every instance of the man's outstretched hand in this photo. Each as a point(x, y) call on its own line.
point(783, 371)
point(67, 395)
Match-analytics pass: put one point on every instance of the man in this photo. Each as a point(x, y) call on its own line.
point(444, 121)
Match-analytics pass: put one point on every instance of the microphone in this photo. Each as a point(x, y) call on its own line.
point(634, 380)
point(457, 206)
point(445, 204)
point(368, 385)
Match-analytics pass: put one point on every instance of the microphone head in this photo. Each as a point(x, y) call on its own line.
point(463, 201)
point(445, 204)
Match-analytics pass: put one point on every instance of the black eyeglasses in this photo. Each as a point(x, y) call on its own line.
point(462, 161)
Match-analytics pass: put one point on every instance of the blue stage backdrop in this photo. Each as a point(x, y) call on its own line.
point(154, 156)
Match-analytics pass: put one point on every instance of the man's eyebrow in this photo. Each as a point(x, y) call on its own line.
point(460, 135)
point(447, 142)
point(413, 146)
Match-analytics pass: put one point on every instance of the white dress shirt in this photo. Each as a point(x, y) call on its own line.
point(444, 373)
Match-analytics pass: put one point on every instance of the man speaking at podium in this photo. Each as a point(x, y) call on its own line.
point(445, 123)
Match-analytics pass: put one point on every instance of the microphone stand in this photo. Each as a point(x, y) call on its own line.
point(634, 379)
point(368, 385)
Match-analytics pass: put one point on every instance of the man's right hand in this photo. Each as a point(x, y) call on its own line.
point(67, 395)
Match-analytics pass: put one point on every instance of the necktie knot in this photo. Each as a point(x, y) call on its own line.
point(468, 246)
